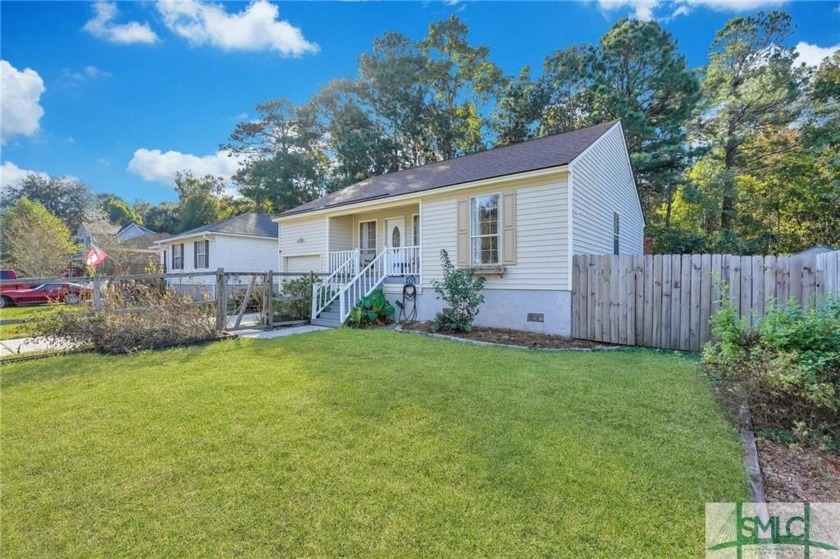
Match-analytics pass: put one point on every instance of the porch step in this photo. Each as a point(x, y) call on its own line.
point(323, 322)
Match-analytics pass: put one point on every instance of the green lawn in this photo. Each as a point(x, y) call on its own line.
point(361, 444)
point(21, 330)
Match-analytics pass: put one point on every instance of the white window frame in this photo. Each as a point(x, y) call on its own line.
point(178, 256)
point(371, 251)
point(474, 237)
point(199, 254)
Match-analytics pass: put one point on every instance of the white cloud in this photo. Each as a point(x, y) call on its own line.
point(642, 9)
point(812, 55)
point(86, 73)
point(20, 102)
point(255, 28)
point(102, 26)
point(158, 166)
point(684, 7)
point(10, 174)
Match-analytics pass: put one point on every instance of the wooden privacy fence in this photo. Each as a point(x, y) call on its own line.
point(665, 300)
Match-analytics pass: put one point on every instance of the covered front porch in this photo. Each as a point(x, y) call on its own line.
point(354, 240)
point(366, 251)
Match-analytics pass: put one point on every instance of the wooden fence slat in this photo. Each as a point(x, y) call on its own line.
point(578, 290)
point(685, 302)
point(809, 280)
point(757, 307)
point(746, 287)
point(769, 281)
point(613, 316)
point(676, 300)
point(795, 278)
point(647, 336)
point(695, 293)
point(656, 316)
point(783, 279)
point(639, 302)
point(666, 302)
point(706, 281)
point(591, 310)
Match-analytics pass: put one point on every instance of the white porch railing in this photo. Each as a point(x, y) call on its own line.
point(346, 286)
point(339, 258)
point(402, 261)
point(362, 285)
point(325, 292)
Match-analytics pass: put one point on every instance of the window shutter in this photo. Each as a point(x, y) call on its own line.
point(509, 228)
point(206, 253)
point(463, 233)
point(172, 250)
point(195, 255)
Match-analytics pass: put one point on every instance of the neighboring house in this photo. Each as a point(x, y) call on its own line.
point(245, 243)
point(514, 214)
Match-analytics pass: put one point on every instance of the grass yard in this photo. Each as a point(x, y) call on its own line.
point(10, 331)
point(361, 444)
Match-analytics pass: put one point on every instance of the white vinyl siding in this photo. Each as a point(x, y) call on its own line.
point(304, 237)
point(341, 233)
point(602, 184)
point(541, 236)
point(244, 254)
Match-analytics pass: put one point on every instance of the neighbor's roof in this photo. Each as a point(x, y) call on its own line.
point(251, 224)
point(533, 155)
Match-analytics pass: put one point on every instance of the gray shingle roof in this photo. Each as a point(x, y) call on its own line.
point(257, 225)
point(542, 153)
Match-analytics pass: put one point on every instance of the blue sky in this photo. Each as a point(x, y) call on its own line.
point(123, 94)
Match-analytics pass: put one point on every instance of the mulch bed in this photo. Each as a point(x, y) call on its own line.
point(794, 474)
point(510, 337)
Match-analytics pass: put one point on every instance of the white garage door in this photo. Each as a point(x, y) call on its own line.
point(303, 263)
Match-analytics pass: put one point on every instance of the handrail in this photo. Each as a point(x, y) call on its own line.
point(363, 284)
point(325, 292)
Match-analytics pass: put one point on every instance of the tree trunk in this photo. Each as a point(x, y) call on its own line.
point(730, 191)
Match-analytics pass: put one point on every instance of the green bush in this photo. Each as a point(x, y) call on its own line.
point(461, 291)
point(370, 311)
point(786, 369)
point(295, 299)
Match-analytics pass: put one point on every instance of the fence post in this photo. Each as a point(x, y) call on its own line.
point(268, 300)
point(221, 300)
point(97, 293)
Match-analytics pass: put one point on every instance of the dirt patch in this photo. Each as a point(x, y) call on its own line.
point(793, 474)
point(509, 337)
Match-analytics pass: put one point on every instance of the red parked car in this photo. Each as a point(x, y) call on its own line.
point(70, 293)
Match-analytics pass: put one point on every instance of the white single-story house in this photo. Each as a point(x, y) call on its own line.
point(514, 214)
point(245, 243)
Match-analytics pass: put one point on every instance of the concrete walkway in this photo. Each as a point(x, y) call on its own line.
point(280, 333)
point(20, 346)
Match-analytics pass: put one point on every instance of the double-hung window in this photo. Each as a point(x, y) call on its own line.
point(484, 230)
point(202, 254)
point(367, 241)
point(178, 256)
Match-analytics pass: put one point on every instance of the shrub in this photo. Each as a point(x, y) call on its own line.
point(237, 296)
point(295, 299)
point(149, 319)
point(371, 310)
point(461, 291)
point(786, 369)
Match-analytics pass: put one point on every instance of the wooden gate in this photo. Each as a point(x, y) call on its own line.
point(665, 300)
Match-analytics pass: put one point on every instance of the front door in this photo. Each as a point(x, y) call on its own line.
point(394, 241)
